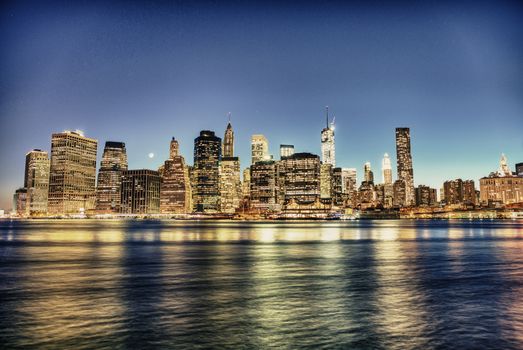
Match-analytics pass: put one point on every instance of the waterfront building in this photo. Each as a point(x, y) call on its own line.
point(246, 184)
point(299, 178)
point(264, 186)
point(453, 191)
point(114, 161)
point(36, 181)
point(367, 195)
point(425, 196)
point(230, 184)
point(368, 174)
point(259, 149)
point(207, 157)
point(469, 192)
point(175, 188)
point(20, 207)
point(399, 193)
point(386, 170)
point(349, 187)
point(286, 151)
point(72, 179)
point(388, 195)
point(140, 192)
point(338, 195)
point(501, 187)
point(404, 163)
point(325, 181)
point(328, 151)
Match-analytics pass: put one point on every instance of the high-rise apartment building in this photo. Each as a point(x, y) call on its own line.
point(399, 193)
point(453, 191)
point(207, 157)
point(425, 196)
point(72, 180)
point(246, 184)
point(368, 175)
point(36, 181)
point(386, 170)
point(114, 161)
point(230, 184)
point(404, 162)
point(326, 181)
point(175, 188)
point(328, 151)
point(469, 192)
point(259, 149)
point(286, 151)
point(299, 178)
point(264, 186)
point(140, 192)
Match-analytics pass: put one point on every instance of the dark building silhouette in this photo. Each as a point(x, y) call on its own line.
point(207, 156)
point(114, 162)
point(140, 192)
point(404, 163)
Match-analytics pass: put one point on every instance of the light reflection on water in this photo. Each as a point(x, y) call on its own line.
point(368, 284)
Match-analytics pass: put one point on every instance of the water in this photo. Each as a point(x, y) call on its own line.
point(369, 285)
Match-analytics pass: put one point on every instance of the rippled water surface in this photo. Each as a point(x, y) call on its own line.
point(369, 284)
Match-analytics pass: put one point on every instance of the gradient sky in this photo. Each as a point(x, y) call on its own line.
point(144, 72)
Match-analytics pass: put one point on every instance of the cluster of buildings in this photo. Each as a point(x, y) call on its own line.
point(298, 184)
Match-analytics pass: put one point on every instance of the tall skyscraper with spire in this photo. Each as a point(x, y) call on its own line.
point(404, 162)
point(230, 182)
point(386, 170)
point(328, 153)
point(228, 140)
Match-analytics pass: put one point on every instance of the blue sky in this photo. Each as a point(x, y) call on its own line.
point(144, 72)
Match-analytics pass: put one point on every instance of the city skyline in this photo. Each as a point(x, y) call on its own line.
point(450, 72)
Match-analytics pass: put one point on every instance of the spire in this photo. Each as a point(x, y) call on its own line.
point(229, 120)
point(327, 115)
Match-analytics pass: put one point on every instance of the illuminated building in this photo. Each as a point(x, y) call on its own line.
point(72, 180)
point(404, 162)
point(175, 188)
point(368, 174)
point(207, 156)
point(326, 181)
point(366, 195)
point(349, 187)
point(20, 206)
point(328, 151)
point(501, 187)
point(519, 169)
point(386, 170)
point(399, 191)
point(425, 196)
point(246, 184)
point(114, 161)
point(286, 151)
point(228, 141)
point(338, 195)
point(388, 195)
point(140, 192)
point(299, 178)
point(259, 149)
point(36, 181)
point(230, 184)
point(469, 192)
point(453, 191)
point(264, 186)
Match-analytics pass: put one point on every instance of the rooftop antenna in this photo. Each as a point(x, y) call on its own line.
point(229, 117)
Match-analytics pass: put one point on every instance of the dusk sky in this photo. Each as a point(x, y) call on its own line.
point(144, 72)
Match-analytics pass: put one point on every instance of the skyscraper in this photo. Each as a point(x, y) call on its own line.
point(207, 157)
point(404, 161)
point(114, 161)
point(368, 174)
point(228, 141)
point(140, 192)
point(72, 180)
point(259, 148)
point(386, 170)
point(230, 182)
point(175, 188)
point(36, 181)
point(326, 181)
point(264, 188)
point(286, 151)
point(328, 154)
point(299, 178)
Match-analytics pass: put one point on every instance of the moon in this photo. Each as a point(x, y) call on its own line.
point(151, 155)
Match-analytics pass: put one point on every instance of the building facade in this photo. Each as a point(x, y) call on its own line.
point(114, 161)
point(259, 148)
point(264, 186)
point(72, 180)
point(404, 163)
point(36, 181)
point(230, 184)
point(386, 170)
point(175, 188)
point(328, 149)
point(286, 151)
point(299, 178)
point(207, 157)
point(140, 192)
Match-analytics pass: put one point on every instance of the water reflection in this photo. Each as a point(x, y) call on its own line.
point(374, 284)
